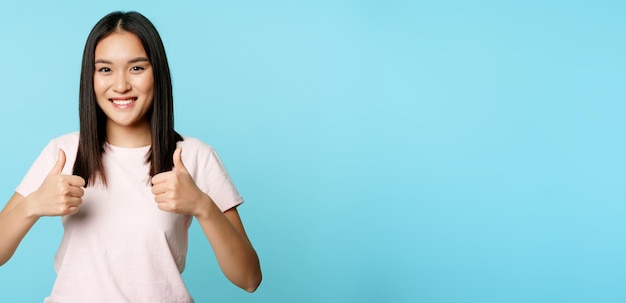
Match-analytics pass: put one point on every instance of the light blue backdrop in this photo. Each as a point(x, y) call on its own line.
point(388, 151)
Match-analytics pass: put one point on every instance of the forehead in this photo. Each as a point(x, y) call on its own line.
point(120, 45)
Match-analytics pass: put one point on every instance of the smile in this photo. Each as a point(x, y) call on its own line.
point(123, 103)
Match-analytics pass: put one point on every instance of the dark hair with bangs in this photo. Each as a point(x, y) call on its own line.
point(93, 120)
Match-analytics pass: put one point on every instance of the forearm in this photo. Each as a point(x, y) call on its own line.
point(233, 250)
point(15, 222)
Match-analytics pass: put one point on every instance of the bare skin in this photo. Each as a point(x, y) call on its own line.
point(175, 191)
point(58, 195)
point(123, 84)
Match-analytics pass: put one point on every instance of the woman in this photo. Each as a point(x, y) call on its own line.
point(127, 202)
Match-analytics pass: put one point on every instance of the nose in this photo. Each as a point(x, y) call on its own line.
point(121, 84)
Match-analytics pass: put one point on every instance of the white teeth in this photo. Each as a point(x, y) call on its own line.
point(123, 102)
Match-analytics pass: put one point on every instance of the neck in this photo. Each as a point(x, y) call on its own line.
point(129, 136)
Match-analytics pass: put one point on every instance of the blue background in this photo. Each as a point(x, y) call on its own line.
point(388, 151)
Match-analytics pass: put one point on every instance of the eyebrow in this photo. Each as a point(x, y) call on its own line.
point(134, 60)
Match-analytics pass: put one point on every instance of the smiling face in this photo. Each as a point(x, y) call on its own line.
point(123, 82)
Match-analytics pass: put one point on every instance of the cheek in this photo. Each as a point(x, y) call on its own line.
point(146, 84)
point(99, 85)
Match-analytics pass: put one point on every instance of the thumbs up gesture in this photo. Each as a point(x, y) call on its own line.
point(175, 191)
point(59, 194)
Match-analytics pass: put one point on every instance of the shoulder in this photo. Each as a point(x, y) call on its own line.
point(69, 144)
point(66, 142)
point(196, 151)
point(197, 155)
point(196, 145)
point(69, 140)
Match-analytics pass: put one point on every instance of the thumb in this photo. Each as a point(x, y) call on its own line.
point(178, 161)
point(58, 167)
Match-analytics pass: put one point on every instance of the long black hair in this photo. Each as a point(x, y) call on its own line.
point(93, 120)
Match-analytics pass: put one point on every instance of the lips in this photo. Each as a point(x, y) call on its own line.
point(123, 103)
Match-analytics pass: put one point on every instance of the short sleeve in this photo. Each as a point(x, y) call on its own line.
point(46, 160)
point(209, 173)
point(38, 170)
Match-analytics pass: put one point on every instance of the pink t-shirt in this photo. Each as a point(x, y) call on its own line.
point(120, 247)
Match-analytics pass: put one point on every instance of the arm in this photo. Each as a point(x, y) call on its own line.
point(175, 191)
point(233, 250)
point(58, 195)
point(15, 222)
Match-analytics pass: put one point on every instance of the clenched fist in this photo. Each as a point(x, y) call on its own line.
point(59, 194)
point(175, 191)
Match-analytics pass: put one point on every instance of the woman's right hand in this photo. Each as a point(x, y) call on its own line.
point(59, 194)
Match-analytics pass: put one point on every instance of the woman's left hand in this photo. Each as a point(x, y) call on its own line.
point(175, 191)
